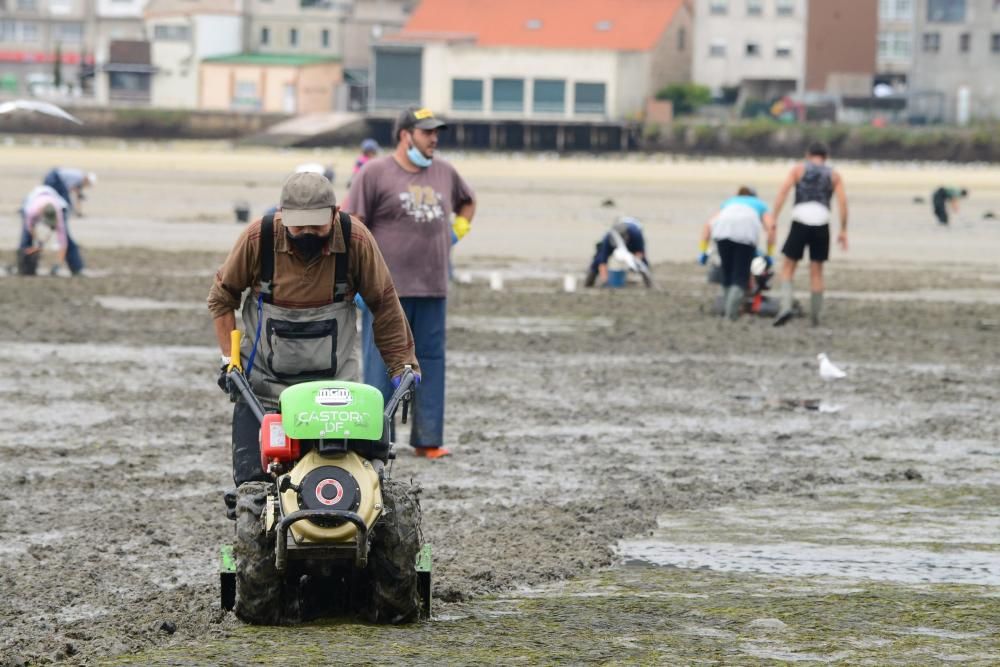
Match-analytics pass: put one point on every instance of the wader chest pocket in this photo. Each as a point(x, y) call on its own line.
point(302, 349)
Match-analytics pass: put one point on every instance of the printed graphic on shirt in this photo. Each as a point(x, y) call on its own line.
point(422, 203)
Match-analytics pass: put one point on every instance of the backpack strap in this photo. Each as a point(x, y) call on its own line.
point(341, 259)
point(266, 256)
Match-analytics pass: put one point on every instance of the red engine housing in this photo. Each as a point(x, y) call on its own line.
point(274, 444)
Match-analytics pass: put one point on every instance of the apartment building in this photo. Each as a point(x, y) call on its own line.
point(895, 45)
point(530, 60)
point(35, 35)
point(955, 60)
point(750, 49)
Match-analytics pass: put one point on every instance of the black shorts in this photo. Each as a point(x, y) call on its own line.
point(814, 237)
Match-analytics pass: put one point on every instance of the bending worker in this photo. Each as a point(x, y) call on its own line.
point(627, 228)
point(42, 216)
point(815, 185)
point(67, 183)
point(736, 230)
point(303, 265)
point(945, 198)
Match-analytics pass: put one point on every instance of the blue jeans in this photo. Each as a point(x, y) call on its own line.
point(73, 257)
point(426, 316)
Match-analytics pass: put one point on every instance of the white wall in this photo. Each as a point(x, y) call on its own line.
point(175, 85)
point(625, 77)
point(120, 8)
point(735, 29)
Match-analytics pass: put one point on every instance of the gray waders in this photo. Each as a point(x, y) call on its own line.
point(296, 345)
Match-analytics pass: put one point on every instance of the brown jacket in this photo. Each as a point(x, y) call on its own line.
point(300, 285)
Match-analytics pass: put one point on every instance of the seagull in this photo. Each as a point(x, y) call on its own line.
point(38, 107)
point(827, 370)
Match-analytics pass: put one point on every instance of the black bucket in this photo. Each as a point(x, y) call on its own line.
point(27, 265)
point(242, 213)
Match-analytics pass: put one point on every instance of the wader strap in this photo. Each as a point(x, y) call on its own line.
point(266, 256)
point(340, 260)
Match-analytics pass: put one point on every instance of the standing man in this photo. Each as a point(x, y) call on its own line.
point(303, 266)
point(815, 185)
point(945, 198)
point(407, 199)
point(68, 182)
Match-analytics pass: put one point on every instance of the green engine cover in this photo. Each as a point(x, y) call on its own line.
point(332, 410)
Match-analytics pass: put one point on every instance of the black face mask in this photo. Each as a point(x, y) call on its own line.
point(308, 246)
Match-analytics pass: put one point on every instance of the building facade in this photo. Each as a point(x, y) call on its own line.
point(841, 47)
point(46, 48)
point(895, 44)
point(750, 50)
point(182, 33)
point(955, 61)
point(291, 84)
point(534, 61)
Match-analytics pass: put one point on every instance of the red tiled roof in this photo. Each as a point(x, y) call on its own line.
point(621, 25)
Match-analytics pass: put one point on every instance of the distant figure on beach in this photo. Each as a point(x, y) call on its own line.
point(369, 149)
point(815, 184)
point(945, 198)
point(68, 182)
point(42, 217)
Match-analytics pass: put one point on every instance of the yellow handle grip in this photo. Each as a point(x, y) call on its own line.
point(234, 351)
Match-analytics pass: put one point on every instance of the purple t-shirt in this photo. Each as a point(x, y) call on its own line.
point(409, 214)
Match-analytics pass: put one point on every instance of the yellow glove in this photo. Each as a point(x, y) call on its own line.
point(770, 250)
point(703, 246)
point(460, 227)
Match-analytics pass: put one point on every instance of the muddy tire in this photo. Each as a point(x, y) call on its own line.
point(259, 585)
point(394, 596)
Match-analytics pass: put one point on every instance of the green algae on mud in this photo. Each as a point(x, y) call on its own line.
point(646, 615)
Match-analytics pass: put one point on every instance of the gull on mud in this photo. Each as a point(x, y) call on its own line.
point(827, 370)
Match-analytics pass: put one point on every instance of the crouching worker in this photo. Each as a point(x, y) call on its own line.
point(736, 231)
point(42, 218)
point(303, 265)
point(625, 237)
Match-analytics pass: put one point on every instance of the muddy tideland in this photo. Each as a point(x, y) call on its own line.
point(633, 481)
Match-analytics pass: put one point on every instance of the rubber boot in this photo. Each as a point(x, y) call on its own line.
point(816, 307)
point(734, 302)
point(787, 299)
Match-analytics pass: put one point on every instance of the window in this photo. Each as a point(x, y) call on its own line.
point(755, 7)
point(27, 6)
point(681, 39)
point(171, 33)
point(588, 98)
point(785, 7)
point(719, 7)
point(752, 50)
point(932, 42)
point(946, 11)
point(293, 37)
point(894, 45)
point(68, 33)
point(60, 7)
point(265, 36)
point(533, 24)
point(549, 96)
point(783, 50)
point(29, 31)
point(508, 95)
point(603, 26)
point(324, 38)
point(8, 31)
point(896, 10)
point(964, 42)
point(245, 95)
point(995, 42)
point(467, 94)
point(717, 49)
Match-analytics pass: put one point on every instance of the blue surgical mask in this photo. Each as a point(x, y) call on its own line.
point(418, 158)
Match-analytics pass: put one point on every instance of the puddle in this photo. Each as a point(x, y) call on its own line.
point(971, 295)
point(873, 537)
point(530, 325)
point(123, 303)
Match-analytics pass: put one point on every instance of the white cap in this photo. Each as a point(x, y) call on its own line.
point(92, 178)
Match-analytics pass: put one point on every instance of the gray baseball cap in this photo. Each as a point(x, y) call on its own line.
point(307, 200)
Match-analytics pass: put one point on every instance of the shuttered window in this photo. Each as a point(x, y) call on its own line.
point(549, 96)
point(397, 78)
